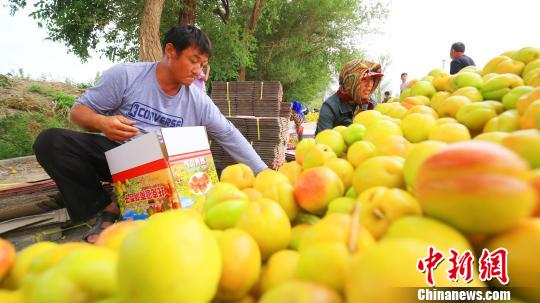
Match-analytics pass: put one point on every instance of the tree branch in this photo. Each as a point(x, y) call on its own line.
point(224, 12)
point(255, 13)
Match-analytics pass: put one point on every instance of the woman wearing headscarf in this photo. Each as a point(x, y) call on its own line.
point(358, 80)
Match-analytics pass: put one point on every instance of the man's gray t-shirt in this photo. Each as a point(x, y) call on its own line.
point(132, 90)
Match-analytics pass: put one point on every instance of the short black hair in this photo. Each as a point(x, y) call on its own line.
point(387, 93)
point(458, 47)
point(184, 36)
point(403, 74)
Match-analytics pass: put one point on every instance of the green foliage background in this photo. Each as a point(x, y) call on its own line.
point(301, 43)
point(22, 117)
point(18, 132)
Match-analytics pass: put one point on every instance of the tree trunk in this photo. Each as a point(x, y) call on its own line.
point(250, 28)
point(242, 73)
point(149, 40)
point(187, 15)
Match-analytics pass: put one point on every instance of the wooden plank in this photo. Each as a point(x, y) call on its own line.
point(52, 217)
point(28, 204)
point(26, 188)
point(50, 232)
point(21, 170)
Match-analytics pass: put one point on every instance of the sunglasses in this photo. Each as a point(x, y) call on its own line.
point(372, 73)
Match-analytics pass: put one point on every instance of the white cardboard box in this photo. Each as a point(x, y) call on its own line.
point(151, 177)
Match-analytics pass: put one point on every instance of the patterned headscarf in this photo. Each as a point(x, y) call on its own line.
point(351, 76)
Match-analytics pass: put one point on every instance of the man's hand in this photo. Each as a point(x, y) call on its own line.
point(117, 128)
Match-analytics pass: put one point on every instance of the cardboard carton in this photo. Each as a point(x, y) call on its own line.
point(191, 163)
point(308, 130)
point(150, 176)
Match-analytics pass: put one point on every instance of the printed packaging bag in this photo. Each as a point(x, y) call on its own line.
point(293, 136)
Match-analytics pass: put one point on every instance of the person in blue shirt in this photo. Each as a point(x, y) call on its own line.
point(131, 99)
point(358, 80)
point(459, 59)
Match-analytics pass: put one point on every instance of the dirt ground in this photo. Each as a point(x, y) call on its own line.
point(19, 98)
